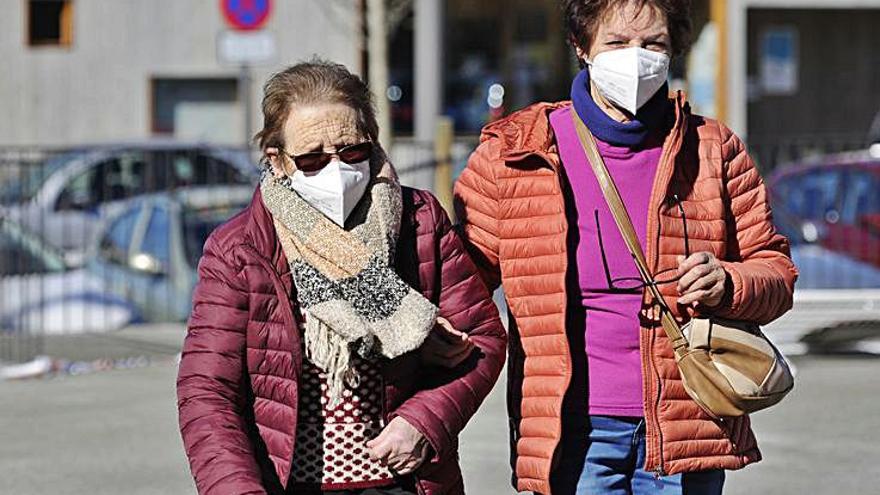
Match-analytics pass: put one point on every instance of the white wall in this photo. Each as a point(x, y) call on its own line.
point(98, 89)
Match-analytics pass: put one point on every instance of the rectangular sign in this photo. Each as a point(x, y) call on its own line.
point(779, 61)
point(245, 47)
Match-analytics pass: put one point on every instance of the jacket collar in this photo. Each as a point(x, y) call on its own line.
point(528, 132)
point(260, 232)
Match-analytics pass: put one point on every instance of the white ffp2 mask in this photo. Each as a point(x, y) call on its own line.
point(629, 77)
point(335, 189)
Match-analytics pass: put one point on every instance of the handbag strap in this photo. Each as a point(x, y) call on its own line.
point(624, 224)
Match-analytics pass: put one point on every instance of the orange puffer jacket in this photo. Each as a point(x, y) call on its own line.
point(511, 202)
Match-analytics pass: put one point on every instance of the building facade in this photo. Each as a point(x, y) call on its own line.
point(91, 71)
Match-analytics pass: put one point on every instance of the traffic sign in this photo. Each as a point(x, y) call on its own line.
point(237, 48)
point(246, 15)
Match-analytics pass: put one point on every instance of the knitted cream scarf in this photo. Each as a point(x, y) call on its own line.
point(345, 279)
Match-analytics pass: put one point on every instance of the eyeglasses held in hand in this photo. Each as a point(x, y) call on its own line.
point(663, 277)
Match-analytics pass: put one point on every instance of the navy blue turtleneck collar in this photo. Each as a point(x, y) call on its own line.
point(654, 115)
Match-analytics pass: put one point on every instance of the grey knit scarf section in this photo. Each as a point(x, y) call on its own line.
point(345, 280)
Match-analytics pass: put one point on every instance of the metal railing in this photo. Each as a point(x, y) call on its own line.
point(770, 154)
point(37, 272)
point(67, 249)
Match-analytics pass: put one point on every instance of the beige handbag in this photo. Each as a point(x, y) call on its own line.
point(729, 368)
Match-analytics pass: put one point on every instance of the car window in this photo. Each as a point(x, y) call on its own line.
point(81, 193)
point(113, 179)
point(15, 260)
point(197, 168)
point(861, 197)
point(198, 225)
point(117, 241)
point(811, 195)
point(123, 177)
point(156, 241)
point(24, 253)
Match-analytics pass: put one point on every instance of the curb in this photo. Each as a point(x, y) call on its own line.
point(47, 367)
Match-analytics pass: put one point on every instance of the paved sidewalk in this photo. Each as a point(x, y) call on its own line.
point(115, 432)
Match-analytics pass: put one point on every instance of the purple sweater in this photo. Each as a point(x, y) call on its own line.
point(612, 315)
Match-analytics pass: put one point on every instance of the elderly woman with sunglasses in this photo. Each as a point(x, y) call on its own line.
point(340, 336)
point(596, 399)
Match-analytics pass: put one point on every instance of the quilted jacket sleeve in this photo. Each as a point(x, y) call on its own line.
point(209, 382)
point(761, 273)
point(476, 205)
point(442, 411)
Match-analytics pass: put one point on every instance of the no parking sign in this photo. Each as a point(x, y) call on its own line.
point(246, 15)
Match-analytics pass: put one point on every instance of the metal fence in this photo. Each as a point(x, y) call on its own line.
point(95, 238)
point(112, 236)
point(770, 154)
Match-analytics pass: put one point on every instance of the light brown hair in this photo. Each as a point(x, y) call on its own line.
point(314, 82)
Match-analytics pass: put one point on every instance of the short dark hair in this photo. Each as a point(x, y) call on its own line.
point(313, 82)
point(582, 18)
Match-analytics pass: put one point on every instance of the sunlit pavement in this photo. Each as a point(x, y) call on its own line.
point(115, 432)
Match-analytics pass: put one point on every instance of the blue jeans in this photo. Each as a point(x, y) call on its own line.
point(612, 462)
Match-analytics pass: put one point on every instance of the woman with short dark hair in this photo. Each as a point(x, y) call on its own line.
point(340, 338)
point(596, 400)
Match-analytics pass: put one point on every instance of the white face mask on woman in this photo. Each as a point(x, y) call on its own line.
point(335, 189)
point(629, 77)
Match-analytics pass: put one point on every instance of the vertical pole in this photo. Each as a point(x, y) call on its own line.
point(428, 66)
point(377, 71)
point(363, 39)
point(718, 17)
point(244, 95)
point(443, 140)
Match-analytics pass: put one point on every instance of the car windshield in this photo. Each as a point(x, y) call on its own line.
point(198, 225)
point(25, 182)
point(22, 253)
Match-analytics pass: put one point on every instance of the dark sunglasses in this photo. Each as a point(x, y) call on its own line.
point(316, 160)
point(663, 277)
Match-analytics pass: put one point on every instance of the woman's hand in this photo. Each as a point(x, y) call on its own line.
point(446, 346)
point(400, 447)
point(702, 280)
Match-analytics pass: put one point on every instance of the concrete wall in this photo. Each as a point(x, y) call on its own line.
point(98, 89)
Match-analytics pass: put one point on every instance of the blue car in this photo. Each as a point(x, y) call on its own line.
point(149, 251)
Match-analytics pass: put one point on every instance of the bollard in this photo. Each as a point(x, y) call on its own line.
point(443, 139)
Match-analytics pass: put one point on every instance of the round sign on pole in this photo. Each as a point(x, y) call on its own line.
point(246, 15)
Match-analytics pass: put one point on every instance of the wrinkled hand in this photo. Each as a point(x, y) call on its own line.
point(400, 447)
point(446, 346)
point(702, 280)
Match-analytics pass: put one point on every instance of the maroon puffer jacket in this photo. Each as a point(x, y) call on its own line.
point(237, 386)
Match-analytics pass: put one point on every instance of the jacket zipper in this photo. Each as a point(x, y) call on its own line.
point(654, 424)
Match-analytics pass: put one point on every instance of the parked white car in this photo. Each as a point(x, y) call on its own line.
point(62, 199)
point(39, 295)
